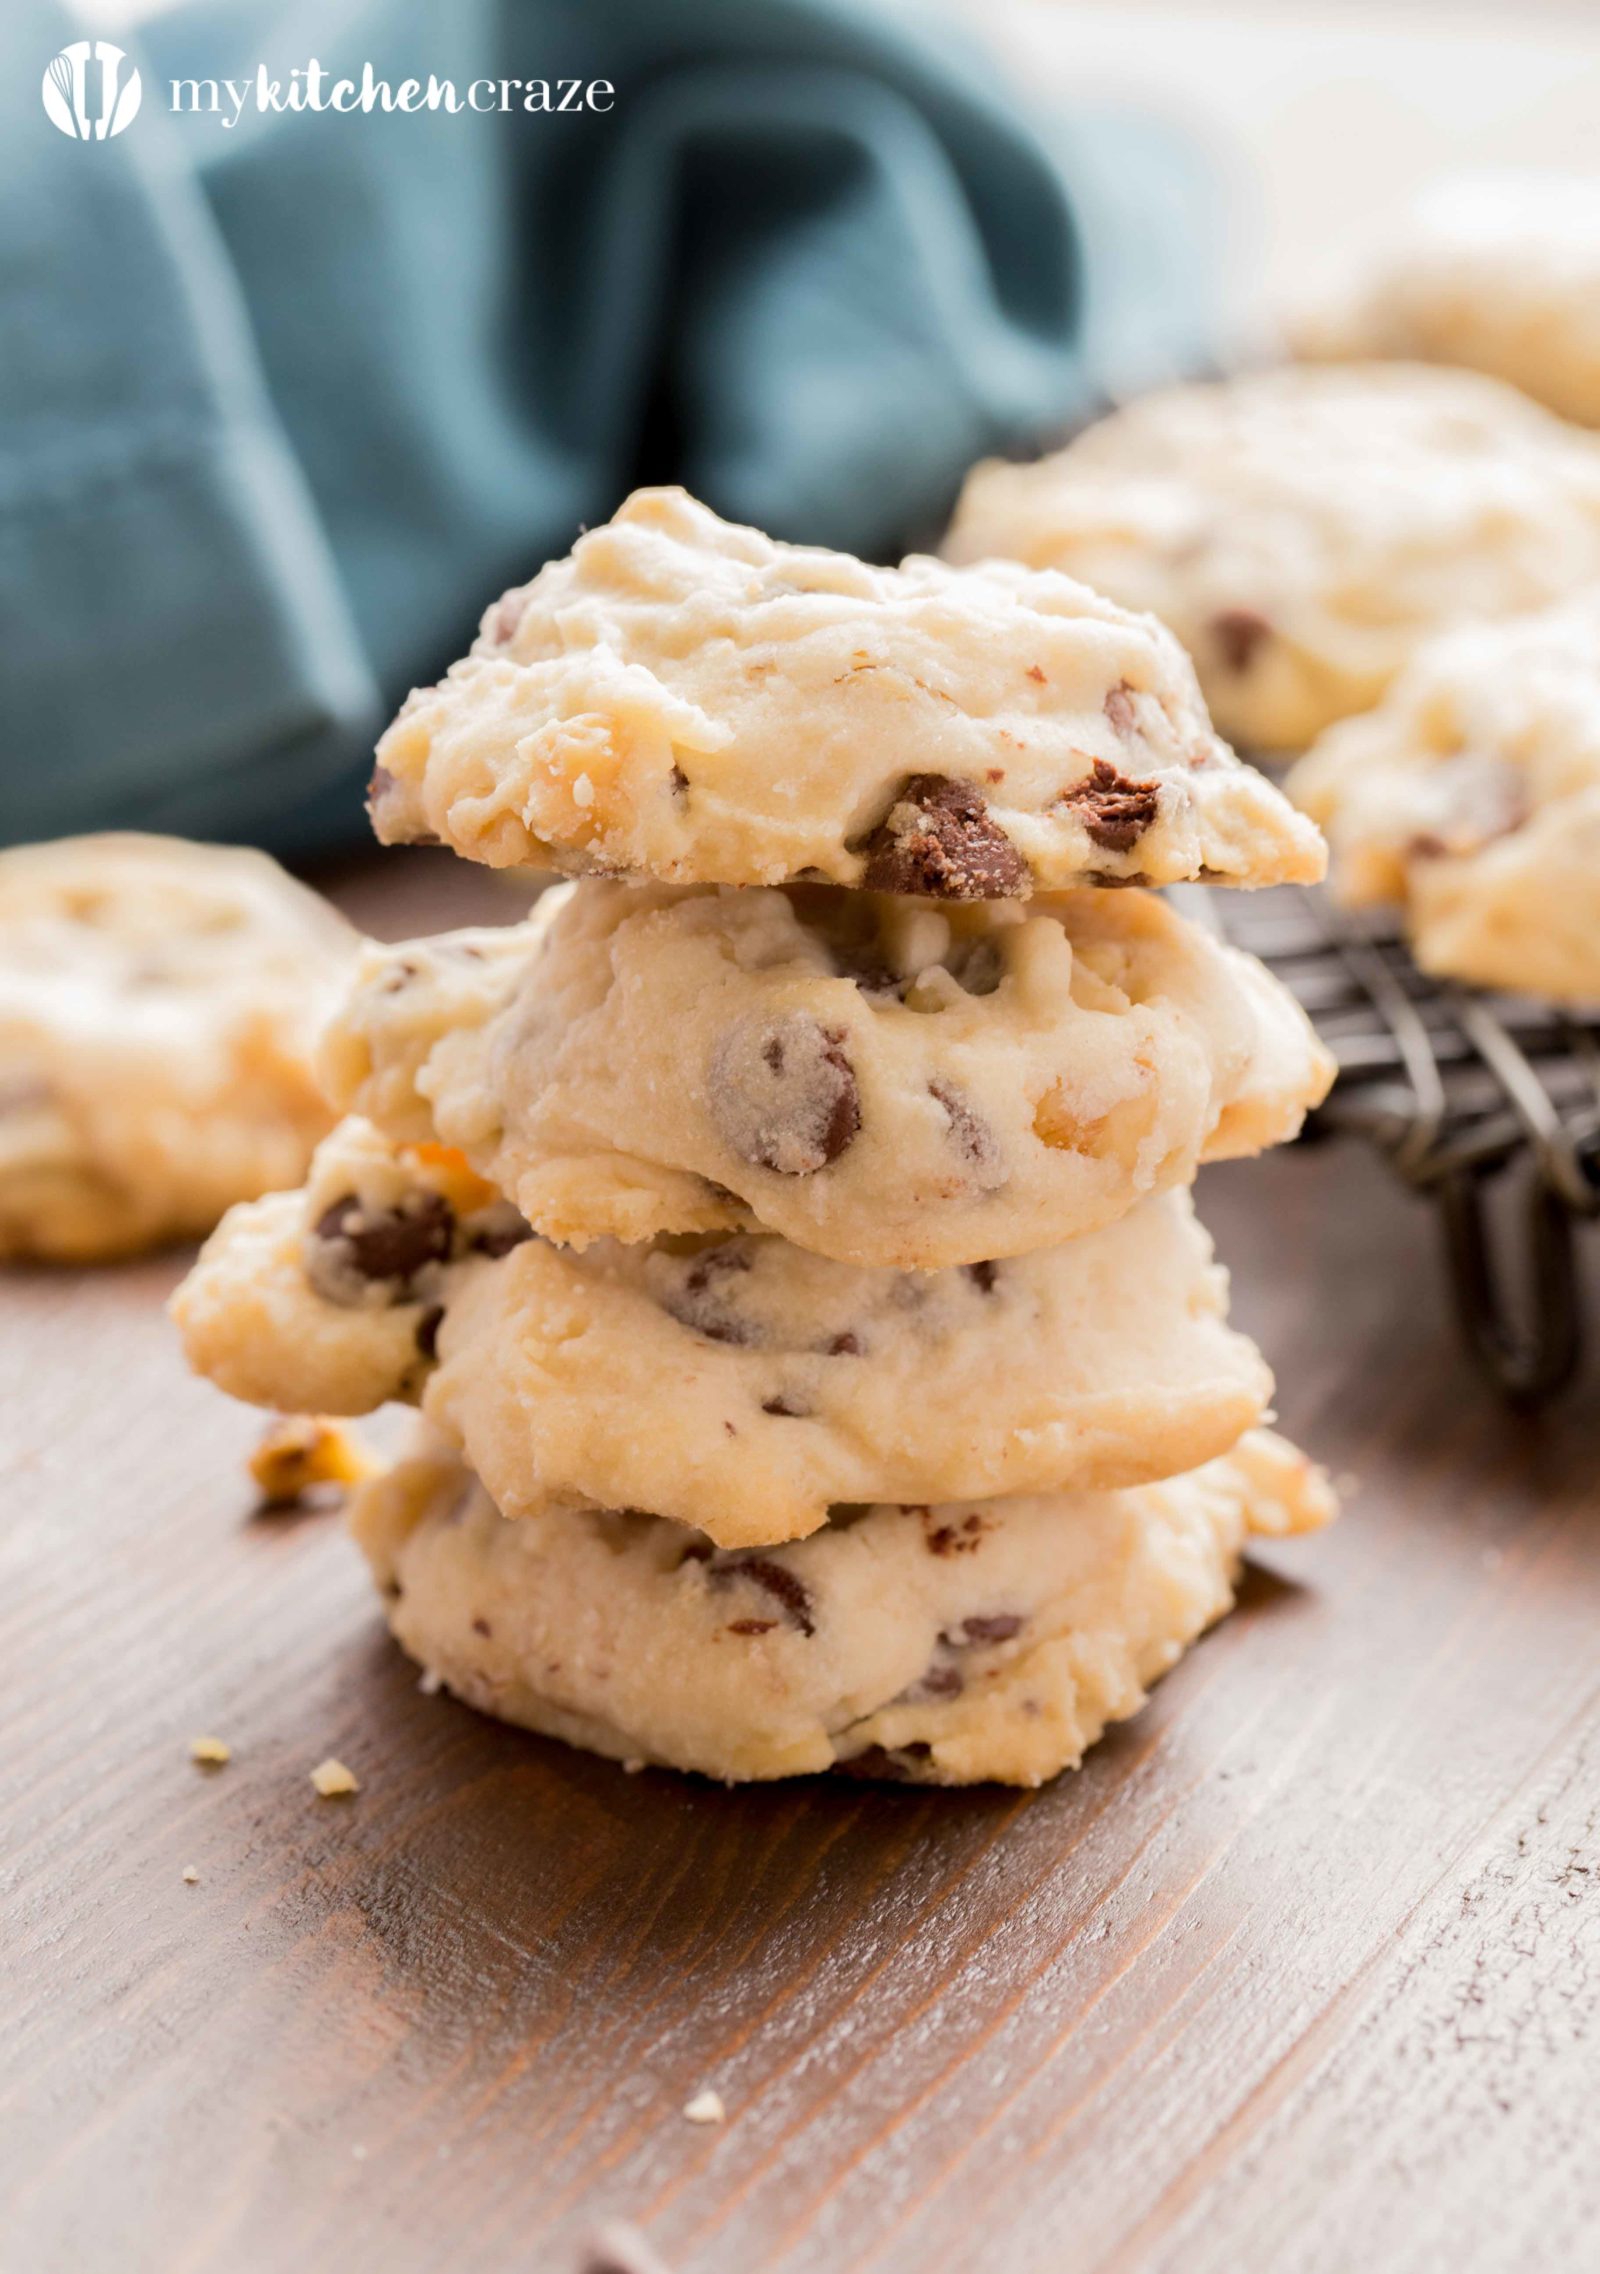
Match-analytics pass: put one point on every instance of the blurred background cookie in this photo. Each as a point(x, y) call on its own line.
point(1471, 799)
point(158, 1005)
point(1497, 272)
point(1303, 530)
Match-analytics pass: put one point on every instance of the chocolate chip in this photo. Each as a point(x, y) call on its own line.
point(775, 1579)
point(972, 1632)
point(379, 792)
point(701, 1298)
point(678, 784)
point(788, 1405)
point(963, 1538)
point(480, 1625)
point(1237, 633)
point(983, 1276)
point(751, 1626)
point(874, 1761)
point(843, 1346)
point(941, 1682)
point(938, 841)
point(508, 612)
point(1116, 812)
point(971, 1135)
point(1119, 707)
point(782, 1093)
point(355, 1247)
point(497, 1231)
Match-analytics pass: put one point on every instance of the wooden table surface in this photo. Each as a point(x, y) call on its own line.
point(1300, 1972)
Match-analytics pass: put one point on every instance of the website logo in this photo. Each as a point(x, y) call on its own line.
point(91, 91)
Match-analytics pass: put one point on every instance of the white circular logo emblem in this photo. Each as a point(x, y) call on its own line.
point(91, 90)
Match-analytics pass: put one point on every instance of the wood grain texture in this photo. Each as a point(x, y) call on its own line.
point(1298, 1973)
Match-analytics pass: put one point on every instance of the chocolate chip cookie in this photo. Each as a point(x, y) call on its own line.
point(329, 1299)
point(1304, 530)
point(1497, 272)
point(158, 1004)
point(1471, 798)
point(877, 1079)
point(931, 1644)
point(691, 701)
point(735, 1383)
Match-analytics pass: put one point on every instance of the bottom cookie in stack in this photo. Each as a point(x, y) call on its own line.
point(952, 1644)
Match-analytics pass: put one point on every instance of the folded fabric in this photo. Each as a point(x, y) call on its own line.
point(286, 399)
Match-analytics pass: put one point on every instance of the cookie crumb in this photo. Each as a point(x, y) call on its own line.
point(632, 1766)
point(619, 2248)
point(332, 1778)
point(300, 1451)
point(191, 1875)
point(212, 1750)
point(705, 2108)
point(431, 1682)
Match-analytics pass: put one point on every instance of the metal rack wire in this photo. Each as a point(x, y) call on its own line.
point(1489, 1103)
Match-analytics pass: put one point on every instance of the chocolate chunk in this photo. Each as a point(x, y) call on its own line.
point(874, 1761)
point(1237, 633)
point(983, 1276)
point(938, 841)
point(782, 1093)
point(791, 1594)
point(1119, 707)
point(963, 1538)
point(700, 1300)
point(971, 1136)
point(497, 1231)
point(355, 1247)
point(941, 1682)
point(844, 1346)
point(972, 1632)
point(678, 784)
point(380, 791)
point(750, 1626)
point(1116, 812)
point(480, 1625)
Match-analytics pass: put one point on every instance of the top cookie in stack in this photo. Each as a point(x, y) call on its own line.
point(786, 1239)
point(686, 700)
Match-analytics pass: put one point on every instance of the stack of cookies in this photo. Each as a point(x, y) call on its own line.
point(785, 1231)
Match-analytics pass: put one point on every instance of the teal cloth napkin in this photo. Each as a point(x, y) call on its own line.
point(283, 404)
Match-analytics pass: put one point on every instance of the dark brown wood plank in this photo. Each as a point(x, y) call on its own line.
point(1298, 1972)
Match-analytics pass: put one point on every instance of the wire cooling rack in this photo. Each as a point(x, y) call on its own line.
point(1488, 1103)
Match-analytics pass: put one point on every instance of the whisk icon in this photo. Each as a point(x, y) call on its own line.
point(66, 90)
